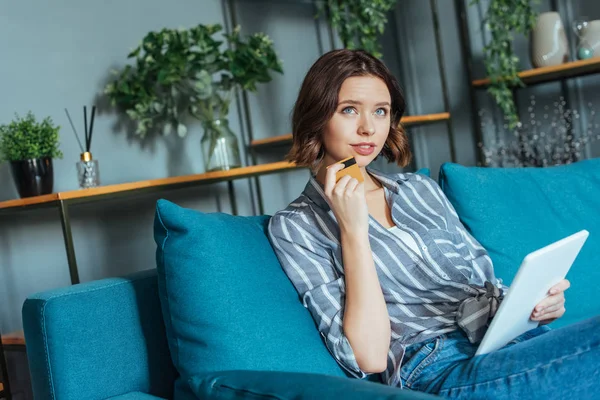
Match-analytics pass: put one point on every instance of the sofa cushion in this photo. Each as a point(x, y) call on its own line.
point(135, 396)
point(226, 301)
point(514, 211)
point(234, 385)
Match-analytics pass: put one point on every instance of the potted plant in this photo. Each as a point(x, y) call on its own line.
point(30, 146)
point(183, 73)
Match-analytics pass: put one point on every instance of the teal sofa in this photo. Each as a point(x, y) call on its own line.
point(217, 318)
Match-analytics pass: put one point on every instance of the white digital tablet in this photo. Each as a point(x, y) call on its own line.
point(538, 272)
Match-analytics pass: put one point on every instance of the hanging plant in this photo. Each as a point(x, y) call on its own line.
point(358, 22)
point(503, 19)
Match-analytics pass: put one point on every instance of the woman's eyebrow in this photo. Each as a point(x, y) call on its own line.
point(358, 103)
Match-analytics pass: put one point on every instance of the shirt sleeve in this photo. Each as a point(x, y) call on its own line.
point(310, 267)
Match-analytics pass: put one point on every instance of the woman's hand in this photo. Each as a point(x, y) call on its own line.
point(347, 201)
point(553, 306)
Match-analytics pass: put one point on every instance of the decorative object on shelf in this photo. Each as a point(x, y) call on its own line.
point(584, 50)
point(549, 45)
point(88, 171)
point(503, 19)
point(219, 146)
point(358, 22)
point(592, 36)
point(182, 73)
point(588, 33)
point(30, 147)
point(544, 140)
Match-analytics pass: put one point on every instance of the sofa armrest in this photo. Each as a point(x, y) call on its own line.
point(98, 340)
point(272, 385)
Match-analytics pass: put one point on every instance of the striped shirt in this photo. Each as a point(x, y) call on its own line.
point(422, 292)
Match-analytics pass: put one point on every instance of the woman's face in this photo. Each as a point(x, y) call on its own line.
point(361, 122)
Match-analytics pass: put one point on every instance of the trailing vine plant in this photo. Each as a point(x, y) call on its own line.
point(358, 22)
point(504, 18)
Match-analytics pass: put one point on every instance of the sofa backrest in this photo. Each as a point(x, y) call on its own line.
point(514, 211)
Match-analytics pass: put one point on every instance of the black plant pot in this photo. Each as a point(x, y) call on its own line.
point(33, 177)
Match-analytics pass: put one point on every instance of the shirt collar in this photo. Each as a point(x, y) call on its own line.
point(314, 190)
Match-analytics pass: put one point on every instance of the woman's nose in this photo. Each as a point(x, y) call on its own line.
point(366, 127)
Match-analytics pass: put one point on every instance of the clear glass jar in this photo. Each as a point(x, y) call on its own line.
point(219, 146)
point(585, 49)
point(88, 173)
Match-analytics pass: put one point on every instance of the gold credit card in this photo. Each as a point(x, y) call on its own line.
point(350, 168)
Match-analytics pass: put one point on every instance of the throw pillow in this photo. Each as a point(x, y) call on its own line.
point(226, 302)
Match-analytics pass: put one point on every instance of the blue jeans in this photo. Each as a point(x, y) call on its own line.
point(542, 363)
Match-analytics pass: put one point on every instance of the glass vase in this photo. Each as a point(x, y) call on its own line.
point(219, 146)
point(88, 173)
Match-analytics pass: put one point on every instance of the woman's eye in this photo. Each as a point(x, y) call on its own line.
point(348, 110)
point(381, 112)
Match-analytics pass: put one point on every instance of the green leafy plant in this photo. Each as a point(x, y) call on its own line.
point(25, 138)
point(358, 22)
point(179, 73)
point(504, 18)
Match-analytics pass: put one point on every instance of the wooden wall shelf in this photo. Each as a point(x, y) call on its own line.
point(412, 120)
point(548, 74)
point(14, 339)
point(163, 183)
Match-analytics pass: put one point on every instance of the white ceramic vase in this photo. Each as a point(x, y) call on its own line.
point(549, 44)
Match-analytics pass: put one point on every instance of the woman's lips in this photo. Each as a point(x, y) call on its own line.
point(363, 150)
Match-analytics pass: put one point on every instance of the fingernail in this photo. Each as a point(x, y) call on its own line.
point(553, 291)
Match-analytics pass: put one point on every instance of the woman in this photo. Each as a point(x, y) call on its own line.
point(387, 270)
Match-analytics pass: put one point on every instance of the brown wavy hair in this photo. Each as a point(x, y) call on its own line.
point(318, 100)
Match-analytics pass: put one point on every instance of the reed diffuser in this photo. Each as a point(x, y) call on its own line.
point(88, 174)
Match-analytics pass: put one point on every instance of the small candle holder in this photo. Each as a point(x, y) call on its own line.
point(88, 173)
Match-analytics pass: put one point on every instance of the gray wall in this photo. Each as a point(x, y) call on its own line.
point(59, 54)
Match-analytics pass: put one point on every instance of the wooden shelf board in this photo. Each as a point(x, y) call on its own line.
point(14, 339)
point(547, 74)
point(204, 178)
point(275, 140)
point(411, 120)
point(29, 201)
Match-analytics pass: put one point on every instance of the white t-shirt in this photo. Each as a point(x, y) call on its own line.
point(407, 240)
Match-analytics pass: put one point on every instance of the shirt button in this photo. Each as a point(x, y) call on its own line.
point(424, 247)
point(403, 226)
